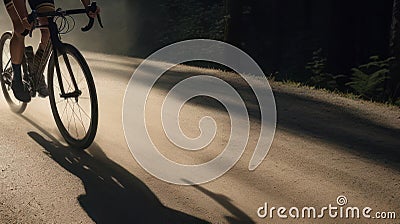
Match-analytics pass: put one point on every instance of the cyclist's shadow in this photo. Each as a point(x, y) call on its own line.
point(113, 195)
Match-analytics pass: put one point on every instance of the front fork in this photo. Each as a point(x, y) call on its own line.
point(59, 49)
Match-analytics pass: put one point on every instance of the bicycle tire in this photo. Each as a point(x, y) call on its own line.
point(87, 140)
point(15, 107)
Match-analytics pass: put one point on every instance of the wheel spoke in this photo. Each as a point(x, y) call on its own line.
point(76, 117)
point(81, 80)
point(65, 108)
point(76, 129)
point(84, 111)
point(81, 121)
point(80, 113)
point(69, 122)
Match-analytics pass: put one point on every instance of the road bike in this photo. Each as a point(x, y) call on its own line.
point(73, 97)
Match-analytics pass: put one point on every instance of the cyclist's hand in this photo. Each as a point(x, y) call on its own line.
point(94, 14)
point(26, 24)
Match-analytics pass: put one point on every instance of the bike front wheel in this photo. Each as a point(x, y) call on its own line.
point(6, 73)
point(76, 115)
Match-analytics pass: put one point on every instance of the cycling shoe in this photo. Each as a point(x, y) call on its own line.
point(20, 92)
point(42, 88)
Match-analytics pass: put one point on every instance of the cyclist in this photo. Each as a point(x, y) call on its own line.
point(18, 13)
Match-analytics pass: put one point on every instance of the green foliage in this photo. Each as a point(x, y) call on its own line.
point(188, 19)
point(319, 75)
point(369, 80)
point(397, 102)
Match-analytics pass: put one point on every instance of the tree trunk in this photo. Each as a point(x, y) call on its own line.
point(394, 84)
point(395, 30)
point(233, 18)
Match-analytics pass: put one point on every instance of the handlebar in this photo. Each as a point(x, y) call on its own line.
point(89, 26)
point(91, 8)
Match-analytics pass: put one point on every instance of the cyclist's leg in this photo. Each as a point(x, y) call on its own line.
point(42, 6)
point(17, 46)
point(17, 41)
point(45, 35)
point(42, 86)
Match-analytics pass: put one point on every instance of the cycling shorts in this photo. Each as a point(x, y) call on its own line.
point(39, 5)
point(42, 5)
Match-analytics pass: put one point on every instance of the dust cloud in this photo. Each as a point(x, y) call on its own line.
point(128, 28)
point(139, 27)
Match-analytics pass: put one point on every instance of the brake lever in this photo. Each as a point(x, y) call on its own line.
point(99, 20)
point(91, 8)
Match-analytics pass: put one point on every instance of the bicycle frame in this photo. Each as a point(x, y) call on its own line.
point(58, 47)
point(64, 58)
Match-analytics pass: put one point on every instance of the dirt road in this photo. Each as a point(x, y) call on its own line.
point(325, 146)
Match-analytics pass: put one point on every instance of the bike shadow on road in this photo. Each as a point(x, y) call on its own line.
point(113, 194)
point(238, 215)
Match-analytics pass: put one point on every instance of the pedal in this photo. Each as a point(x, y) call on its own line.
point(7, 78)
point(7, 81)
point(29, 87)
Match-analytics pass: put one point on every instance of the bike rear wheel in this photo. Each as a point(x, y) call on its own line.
point(76, 117)
point(7, 75)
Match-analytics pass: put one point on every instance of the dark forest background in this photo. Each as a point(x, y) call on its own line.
point(349, 46)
